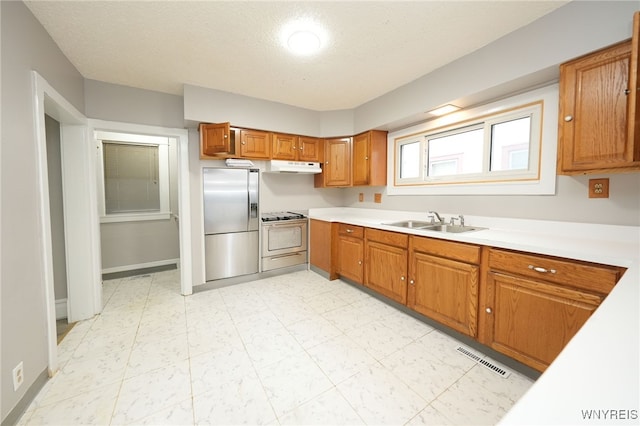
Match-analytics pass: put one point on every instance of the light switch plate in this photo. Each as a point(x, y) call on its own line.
point(377, 197)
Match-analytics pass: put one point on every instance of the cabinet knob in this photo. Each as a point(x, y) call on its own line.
point(359, 262)
point(488, 310)
point(349, 231)
point(401, 278)
point(627, 91)
point(411, 282)
point(366, 158)
point(244, 143)
point(568, 118)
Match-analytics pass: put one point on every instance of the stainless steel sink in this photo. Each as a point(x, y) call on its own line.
point(410, 224)
point(452, 228)
point(428, 226)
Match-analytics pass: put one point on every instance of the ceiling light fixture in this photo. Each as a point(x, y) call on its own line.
point(303, 37)
point(303, 42)
point(443, 110)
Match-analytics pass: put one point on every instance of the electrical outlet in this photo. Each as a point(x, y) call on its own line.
point(361, 197)
point(377, 197)
point(18, 376)
point(599, 188)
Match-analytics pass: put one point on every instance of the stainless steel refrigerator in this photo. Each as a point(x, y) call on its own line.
point(231, 222)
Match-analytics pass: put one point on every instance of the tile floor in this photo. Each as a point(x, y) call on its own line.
point(292, 349)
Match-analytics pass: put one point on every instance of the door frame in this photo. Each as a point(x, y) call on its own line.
point(184, 198)
point(79, 182)
point(80, 209)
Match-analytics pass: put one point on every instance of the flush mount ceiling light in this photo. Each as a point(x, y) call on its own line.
point(443, 110)
point(303, 42)
point(303, 37)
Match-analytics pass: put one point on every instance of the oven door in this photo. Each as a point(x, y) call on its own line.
point(284, 237)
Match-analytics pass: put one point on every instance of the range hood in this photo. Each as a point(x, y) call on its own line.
point(283, 166)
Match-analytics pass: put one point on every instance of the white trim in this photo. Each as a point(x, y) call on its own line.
point(184, 202)
point(47, 100)
point(134, 217)
point(544, 185)
point(61, 308)
point(142, 266)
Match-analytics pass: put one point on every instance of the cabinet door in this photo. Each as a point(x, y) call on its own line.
point(594, 105)
point(351, 257)
point(532, 321)
point(337, 162)
point(310, 149)
point(285, 147)
point(361, 152)
point(255, 144)
point(214, 138)
point(386, 270)
point(445, 290)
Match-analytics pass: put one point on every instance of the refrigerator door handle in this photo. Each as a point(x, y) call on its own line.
point(253, 210)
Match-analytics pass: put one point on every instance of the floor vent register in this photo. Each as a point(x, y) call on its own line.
point(484, 361)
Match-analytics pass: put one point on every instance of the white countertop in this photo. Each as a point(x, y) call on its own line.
point(599, 369)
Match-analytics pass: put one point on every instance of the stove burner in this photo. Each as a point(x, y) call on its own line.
point(275, 216)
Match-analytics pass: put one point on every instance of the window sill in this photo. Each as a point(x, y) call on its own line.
point(134, 217)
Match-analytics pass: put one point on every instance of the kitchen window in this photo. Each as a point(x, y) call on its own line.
point(493, 149)
point(134, 177)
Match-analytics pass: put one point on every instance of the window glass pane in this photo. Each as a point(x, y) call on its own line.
point(410, 160)
point(458, 153)
point(131, 178)
point(510, 144)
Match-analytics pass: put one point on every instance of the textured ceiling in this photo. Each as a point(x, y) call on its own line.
point(234, 46)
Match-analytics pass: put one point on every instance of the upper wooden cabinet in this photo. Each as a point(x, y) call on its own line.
point(370, 158)
point(255, 144)
point(310, 149)
point(598, 117)
point(336, 169)
point(296, 148)
point(215, 139)
point(284, 147)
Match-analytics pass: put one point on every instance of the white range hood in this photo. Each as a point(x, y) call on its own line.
point(283, 166)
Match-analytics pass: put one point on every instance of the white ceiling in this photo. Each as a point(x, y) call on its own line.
point(234, 46)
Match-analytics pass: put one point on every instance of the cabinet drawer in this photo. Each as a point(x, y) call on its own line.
point(386, 237)
point(451, 250)
point(351, 230)
point(588, 276)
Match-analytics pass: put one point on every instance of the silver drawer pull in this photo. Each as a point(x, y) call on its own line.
point(542, 270)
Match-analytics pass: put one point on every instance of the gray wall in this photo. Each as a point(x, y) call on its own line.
point(523, 58)
point(113, 102)
point(54, 169)
point(25, 46)
point(570, 204)
point(130, 244)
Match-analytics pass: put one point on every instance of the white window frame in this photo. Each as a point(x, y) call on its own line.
point(542, 103)
point(163, 176)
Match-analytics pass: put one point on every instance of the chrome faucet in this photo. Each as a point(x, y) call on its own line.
point(432, 213)
point(460, 218)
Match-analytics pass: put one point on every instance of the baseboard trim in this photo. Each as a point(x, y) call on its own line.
point(61, 308)
point(137, 266)
point(21, 407)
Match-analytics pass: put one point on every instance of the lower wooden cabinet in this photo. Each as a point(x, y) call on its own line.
point(386, 263)
point(350, 258)
point(524, 305)
point(320, 246)
point(535, 304)
point(443, 282)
